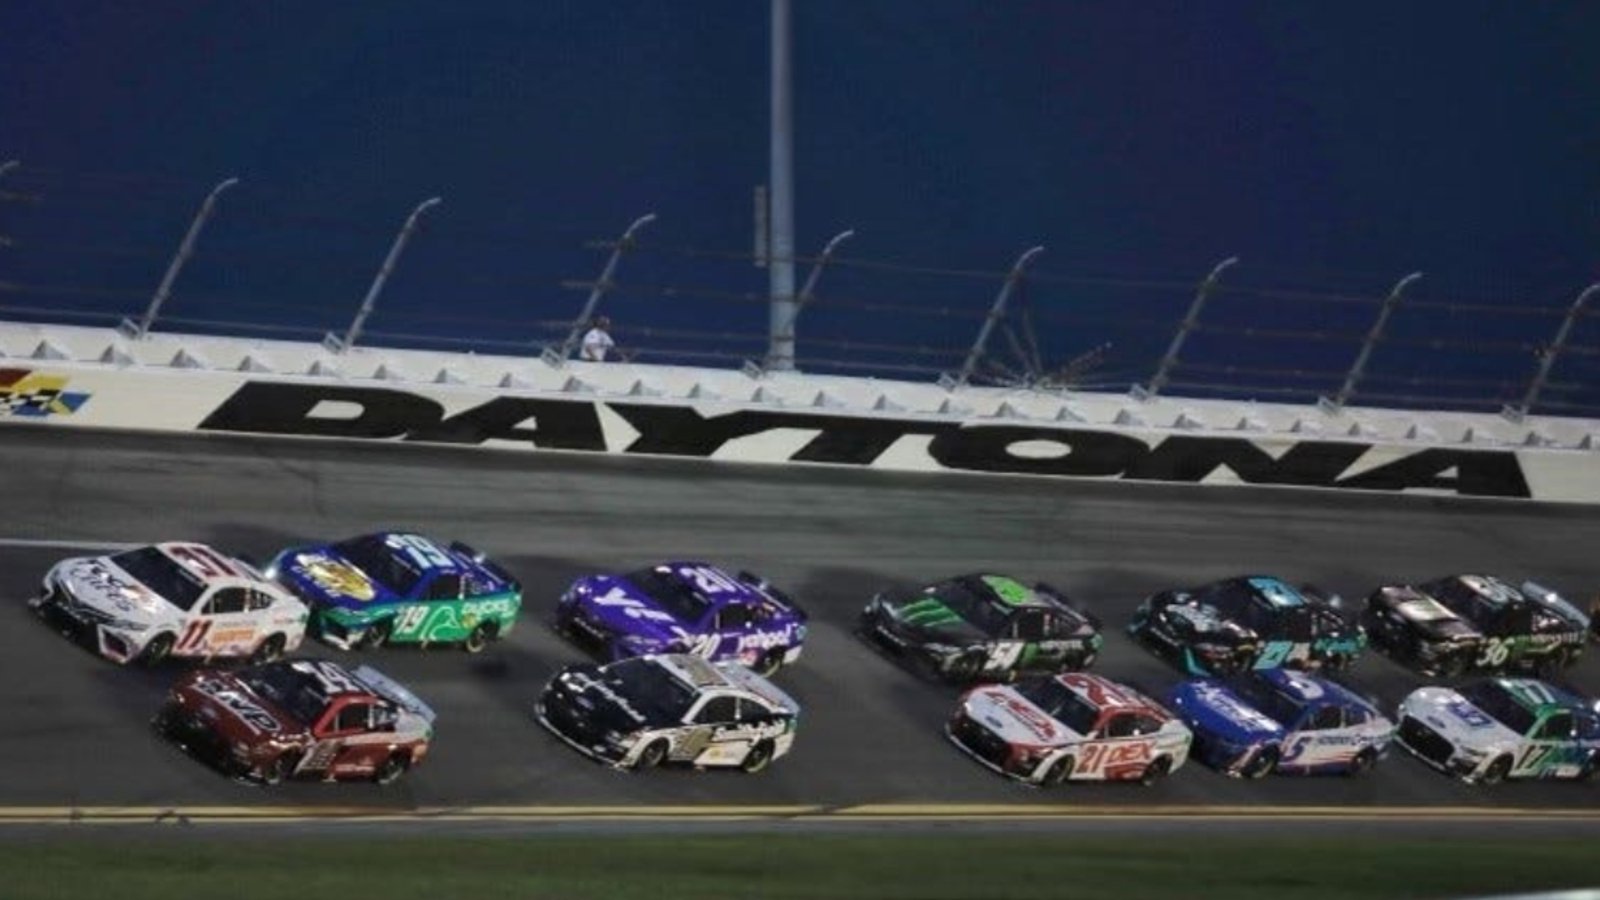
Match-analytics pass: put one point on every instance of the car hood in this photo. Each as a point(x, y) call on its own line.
point(322, 577)
point(926, 616)
point(1015, 719)
point(229, 706)
point(585, 690)
point(621, 607)
point(1212, 707)
point(1428, 616)
point(1206, 621)
point(102, 586)
point(1450, 714)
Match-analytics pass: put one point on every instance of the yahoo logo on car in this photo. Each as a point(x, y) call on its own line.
point(262, 407)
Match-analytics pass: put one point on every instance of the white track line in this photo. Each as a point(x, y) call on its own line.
point(67, 545)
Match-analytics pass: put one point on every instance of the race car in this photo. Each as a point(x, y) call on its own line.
point(1280, 720)
point(983, 627)
point(395, 587)
point(174, 599)
point(301, 718)
point(684, 607)
point(1250, 622)
point(1071, 727)
point(1498, 728)
point(1475, 623)
point(644, 711)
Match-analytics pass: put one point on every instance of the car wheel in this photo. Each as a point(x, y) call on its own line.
point(1261, 764)
point(1452, 666)
point(1497, 771)
point(156, 652)
point(768, 664)
point(268, 650)
point(1553, 665)
point(964, 668)
point(1157, 770)
point(1058, 773)
point(279, 770)
point(1363, 763)
point(654, 754)
point(377, 635)
point(392, 768)
point(759, 757)
point(479, 638)
point(1590, 766)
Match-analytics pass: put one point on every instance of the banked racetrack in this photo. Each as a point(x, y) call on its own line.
point(75, 733)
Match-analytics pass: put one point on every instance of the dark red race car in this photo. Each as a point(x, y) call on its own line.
point(299, 718)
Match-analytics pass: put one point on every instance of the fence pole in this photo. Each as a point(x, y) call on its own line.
point(353, 334)
point(783, 339)
point(555, 356)
point(1190, 320)
point(185, 250)
point(996, 313)
point(1348, 389)
point(1547, 358)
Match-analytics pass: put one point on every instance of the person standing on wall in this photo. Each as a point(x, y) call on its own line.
point(597, 342)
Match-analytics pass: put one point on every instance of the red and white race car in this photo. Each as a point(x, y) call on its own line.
point(1074, 726)
point(171, 599)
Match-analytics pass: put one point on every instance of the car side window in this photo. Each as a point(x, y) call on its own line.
point(718, 710)
point(732, 616)
point(227, 600)
point(1327, 717)
point(1028, 625)
point(354, 717)
point(752, 711)
point(1121, 726)
point(444, 586)
point(1560, 726)
point(474, 586)
point(256, 600)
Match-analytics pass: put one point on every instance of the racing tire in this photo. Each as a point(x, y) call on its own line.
point(1497, 771)
point(279, 770)
point(479, 638)
point(392, 768)
point(768, 664)
point(269, 650)
point(378, 635)
point(1362, 763)
point(1157, 770)
point(1261, 764)
point(1590, 767)
point(963, 668)
point(1059, 772)
point(156, 652)
point(653, 755)
point(759, 757)
point(1453, 667)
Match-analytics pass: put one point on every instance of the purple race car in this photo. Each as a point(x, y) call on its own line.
point(684, 607)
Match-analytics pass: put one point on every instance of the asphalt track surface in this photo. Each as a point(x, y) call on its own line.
point(73, 728)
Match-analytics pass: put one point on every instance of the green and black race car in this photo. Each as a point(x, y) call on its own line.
point(983, 627)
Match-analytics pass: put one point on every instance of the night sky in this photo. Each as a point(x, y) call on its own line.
point(1333, 147)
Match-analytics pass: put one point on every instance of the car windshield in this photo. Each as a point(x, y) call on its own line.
point(162, 574)
point(1062, 703)
point(381, 562)
point(1500, 705)
point(297, 693)
point(1267, 699)
point(657, 694)
point(671, 593)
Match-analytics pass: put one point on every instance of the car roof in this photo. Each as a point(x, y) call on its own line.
point(1311, 690)
point(211, 566)
point(1105, 695)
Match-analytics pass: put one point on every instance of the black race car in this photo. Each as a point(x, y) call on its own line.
point(983, 627)
point(1475, 623)
point(1249, 622)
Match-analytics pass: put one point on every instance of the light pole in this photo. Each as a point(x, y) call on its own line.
point(780, 272)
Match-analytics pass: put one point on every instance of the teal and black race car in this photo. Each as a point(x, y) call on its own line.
point(393, 587)
point(1251, 622)
point(983, 627)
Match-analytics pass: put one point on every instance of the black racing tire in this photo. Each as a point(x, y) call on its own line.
point(1590, 767)
point(1363, 763)
point(279, 769)
point(1453, 666)
point(1059, 772)
point(390, 770)
point(963, 668)
point(479, 637)
point(1497, 771)
point(759, 757)
point(1261, 764)
point(768, 663)
point(269, 650)
point(653, 755)
point(1157, 770)
point(158, 650)
point(377, 636)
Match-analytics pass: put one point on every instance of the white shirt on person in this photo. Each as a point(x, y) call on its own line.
point(597, 344)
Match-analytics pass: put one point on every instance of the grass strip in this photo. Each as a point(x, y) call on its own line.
point(244, 865)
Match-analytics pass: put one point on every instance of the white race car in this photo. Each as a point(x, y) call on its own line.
point(1499, 728)
point(171, 599)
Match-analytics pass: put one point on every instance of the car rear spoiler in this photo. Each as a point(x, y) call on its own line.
point(1061, 597)
point(483, 559)
point(766, 587)
point(391, 689)
point(1553, 601)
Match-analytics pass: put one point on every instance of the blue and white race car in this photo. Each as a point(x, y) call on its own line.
point(1280, 720)
point(684, 607)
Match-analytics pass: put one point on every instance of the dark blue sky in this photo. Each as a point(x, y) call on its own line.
point(1334, 147)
